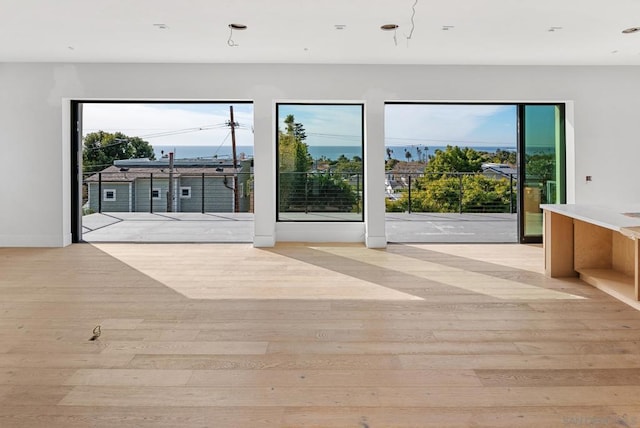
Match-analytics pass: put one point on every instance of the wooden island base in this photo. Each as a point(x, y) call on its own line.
point(596, 243)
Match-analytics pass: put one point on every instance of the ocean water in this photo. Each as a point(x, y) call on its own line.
point(204, 152)
point(316, 152)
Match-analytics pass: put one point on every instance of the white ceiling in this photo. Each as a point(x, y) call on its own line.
point(303, 31)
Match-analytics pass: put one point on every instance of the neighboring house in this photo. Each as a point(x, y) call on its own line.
point(141, 185)
point(390, 189)
point(499, 170)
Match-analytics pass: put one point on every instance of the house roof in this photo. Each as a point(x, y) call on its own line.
point(115, 173)
point(500, 169)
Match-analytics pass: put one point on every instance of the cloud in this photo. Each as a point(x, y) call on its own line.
point(441, 124)
point(325, 125)
point(150, 119)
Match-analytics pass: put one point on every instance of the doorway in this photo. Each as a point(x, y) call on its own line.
point(162, 171)
point(471, 172)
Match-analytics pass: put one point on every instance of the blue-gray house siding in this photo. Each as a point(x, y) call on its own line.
point(198, 186)
point(115, 197)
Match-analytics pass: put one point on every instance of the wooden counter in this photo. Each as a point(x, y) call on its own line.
point(598, 243)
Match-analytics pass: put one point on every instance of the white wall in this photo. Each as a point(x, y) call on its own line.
point(35, 196)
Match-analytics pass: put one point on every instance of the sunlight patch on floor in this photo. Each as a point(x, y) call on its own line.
point(476, 282)
point(524, 257)
point(238, 271)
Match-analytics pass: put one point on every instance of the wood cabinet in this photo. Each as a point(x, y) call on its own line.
point(597, 243)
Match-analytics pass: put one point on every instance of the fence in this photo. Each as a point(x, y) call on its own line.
point(451, 192)
point(320, 192)
point(306, 192)
point(151, 192)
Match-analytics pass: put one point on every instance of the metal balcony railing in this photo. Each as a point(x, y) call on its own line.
point(320, 192)
point(451, 192)
point(127, 191)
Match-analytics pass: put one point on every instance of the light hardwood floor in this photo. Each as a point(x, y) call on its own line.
point(309, 336)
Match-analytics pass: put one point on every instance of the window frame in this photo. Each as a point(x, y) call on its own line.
point(362, 193)
point(105, 192)
point(188, 189)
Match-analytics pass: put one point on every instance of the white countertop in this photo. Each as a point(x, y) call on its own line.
point(610, 217)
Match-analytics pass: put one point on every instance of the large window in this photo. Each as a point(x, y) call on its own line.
point(451, 172)
point(184, 157)
point(320, 162)
point(472, 172)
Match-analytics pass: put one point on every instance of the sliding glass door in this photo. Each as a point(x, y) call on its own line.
point(542, 165)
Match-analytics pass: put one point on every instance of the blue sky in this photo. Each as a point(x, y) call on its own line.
point(469, 125)
point(171, 124)
point(326, 125)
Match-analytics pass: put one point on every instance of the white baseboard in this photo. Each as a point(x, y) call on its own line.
point(35, 240)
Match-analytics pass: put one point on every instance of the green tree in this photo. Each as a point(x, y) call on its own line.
point(443, 194)
point(347, 166)
point(541, 168)
point(293, 151)
point(101, 148)
point(299, 188)
point(294, 162)
point(327, 192)
point(503, 156)
point(454, 159)
point(451, 183)
point(294, 128)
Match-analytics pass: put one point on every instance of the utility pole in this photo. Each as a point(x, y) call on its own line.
point(233, 124)
point(170, 192)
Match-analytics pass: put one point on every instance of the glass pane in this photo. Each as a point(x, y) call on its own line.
point(451, 172)
point(544, 164)
point(320, 162)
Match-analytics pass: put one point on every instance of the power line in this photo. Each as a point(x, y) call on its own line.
point(225, 139)
point(182, 131)
point(325, 135)
point(122, 141)
point(169, 133)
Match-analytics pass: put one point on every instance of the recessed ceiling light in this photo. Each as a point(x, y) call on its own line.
point(340, 26)
point(631, 30)
point(161, 26)
point(237, 26)
point(389, 27)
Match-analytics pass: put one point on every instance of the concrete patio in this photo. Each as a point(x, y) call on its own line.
point(229, 227)
point(168, 227)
